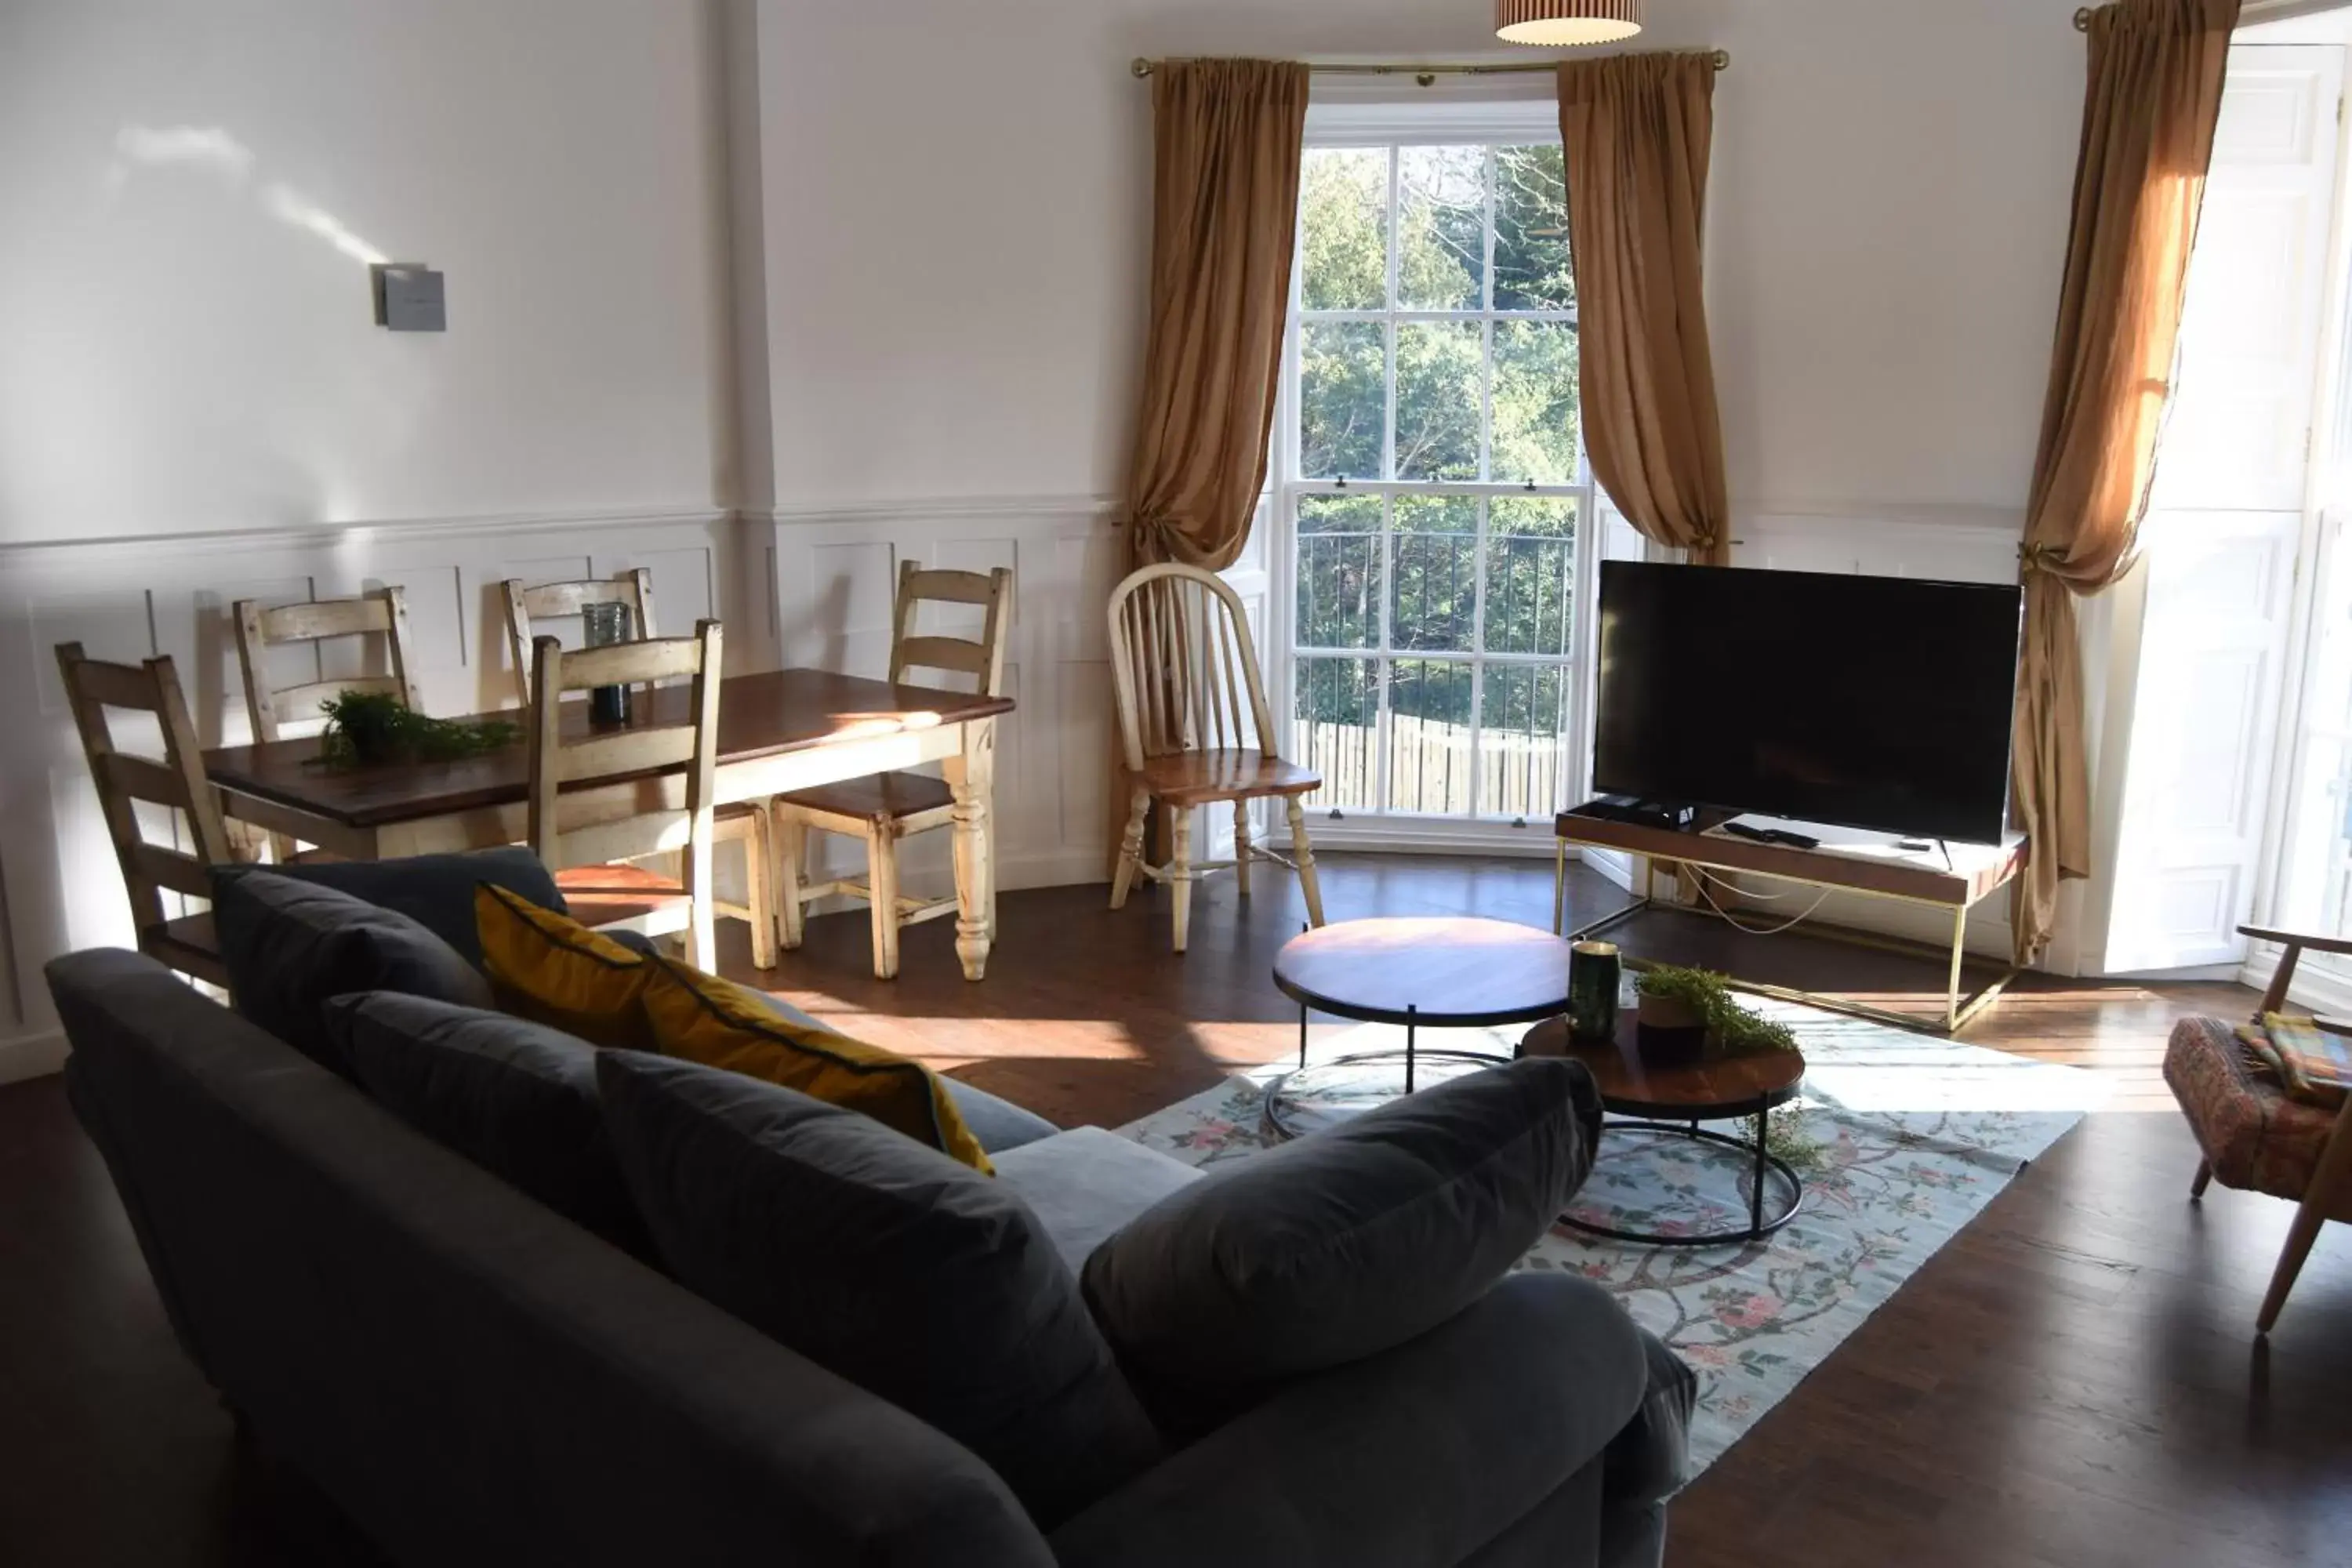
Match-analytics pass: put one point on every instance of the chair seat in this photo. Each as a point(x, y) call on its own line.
point(1192, 778)
point(879, 797)
point(2254, 1135)
point(607, 895)
point(190, 944)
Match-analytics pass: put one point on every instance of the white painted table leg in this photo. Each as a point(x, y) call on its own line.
point(972, 777)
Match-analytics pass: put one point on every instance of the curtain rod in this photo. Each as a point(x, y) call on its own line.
point(1427, 75)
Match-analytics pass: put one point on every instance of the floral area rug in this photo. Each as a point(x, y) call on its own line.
point(1901, 1140)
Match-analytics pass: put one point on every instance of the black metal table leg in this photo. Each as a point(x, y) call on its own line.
point(1302, 1036)
point(1411, 1023)
point(1756, 1199)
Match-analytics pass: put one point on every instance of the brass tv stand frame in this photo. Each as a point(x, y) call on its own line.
point(1955, 891)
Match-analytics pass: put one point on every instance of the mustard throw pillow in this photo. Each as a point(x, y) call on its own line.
point(697, 1017)
point(550, 969)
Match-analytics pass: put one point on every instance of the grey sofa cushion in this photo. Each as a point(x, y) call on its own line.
point(516, 1097)
point(437, 891)
point(1649, 1461)
point(1343, 1244)
point(910, 1275)
point(290, 946)
point(1086, 1185)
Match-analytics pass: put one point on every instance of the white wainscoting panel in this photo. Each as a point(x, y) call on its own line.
point(132, 600)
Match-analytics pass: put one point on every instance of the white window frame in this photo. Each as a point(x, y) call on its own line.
point(1474, 112)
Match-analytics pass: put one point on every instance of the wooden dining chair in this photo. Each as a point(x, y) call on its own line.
point(383, 612)
point(596, 886)
point(176, 782)
point(1182, 666)
point(529, 604)
point(602, 796)
point(2253, 1134)
point(888, 808)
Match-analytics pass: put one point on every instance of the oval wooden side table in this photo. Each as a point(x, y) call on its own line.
point(1672, 1101)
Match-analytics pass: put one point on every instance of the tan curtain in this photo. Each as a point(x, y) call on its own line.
point(2156, 73)
point(1229, 135)
point(1638, 130)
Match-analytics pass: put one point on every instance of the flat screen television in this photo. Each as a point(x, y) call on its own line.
point(1871, 703)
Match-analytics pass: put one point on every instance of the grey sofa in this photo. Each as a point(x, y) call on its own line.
point(476, 1380)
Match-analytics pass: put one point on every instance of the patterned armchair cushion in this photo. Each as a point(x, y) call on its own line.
point(2256, 1137)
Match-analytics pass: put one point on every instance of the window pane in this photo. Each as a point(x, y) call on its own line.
point(1428, 736)
point(1343, 232)
point(1340, 572)
point(1530, 576)
point(1436, 573)
point(1531, 269)
point(1441, 228)
point(1437, 389)
point(1535, 403)
point(1339, 726)
point(1343, 399)
point(1522, 741)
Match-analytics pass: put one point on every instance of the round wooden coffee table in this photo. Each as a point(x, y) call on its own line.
point(1449, 973)
point(1671, 1102)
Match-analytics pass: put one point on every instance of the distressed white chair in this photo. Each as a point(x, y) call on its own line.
point(527, 605)
point(176, 782)
point(382, 614)
point(598, 796)
point(1195, 730)
point(888, 807)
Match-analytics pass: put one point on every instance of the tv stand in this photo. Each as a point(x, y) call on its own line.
point(1941, 880)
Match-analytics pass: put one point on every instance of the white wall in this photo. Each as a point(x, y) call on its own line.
point(191, 191)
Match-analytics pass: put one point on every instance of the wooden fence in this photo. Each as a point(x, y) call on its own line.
point(1430, 771)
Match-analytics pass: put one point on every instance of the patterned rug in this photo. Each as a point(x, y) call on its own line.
point(1901, 1140)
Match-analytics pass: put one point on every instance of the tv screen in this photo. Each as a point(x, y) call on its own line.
point(1872, 702)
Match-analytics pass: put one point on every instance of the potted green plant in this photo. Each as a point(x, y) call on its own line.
point(1687, 1015)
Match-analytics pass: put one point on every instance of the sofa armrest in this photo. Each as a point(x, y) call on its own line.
point(1415, 1457)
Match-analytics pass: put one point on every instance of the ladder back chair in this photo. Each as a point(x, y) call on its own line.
point(601, 795)
point(176, 782)
point(383, 612)
point(527, 603)
point(608, 888)
point(1195, 730)
point(888, 807)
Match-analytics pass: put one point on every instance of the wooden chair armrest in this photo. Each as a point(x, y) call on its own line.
point(2291, 939)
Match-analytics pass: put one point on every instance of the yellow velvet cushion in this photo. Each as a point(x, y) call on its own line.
point(554, 971)
point(697, 1017)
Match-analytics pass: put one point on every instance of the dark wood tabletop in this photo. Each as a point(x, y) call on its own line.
point(1706, 1090)
point(1449, 974)
point(759, 716)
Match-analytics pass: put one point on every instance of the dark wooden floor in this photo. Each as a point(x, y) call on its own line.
point(2075, 1380)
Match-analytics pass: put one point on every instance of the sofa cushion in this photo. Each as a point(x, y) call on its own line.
point(1343, 1244)
point(1649, 1461)
point(437, 891)
point(516, 1097)
point(701, 1018)
point(288, 946)
point(552, 970)
point(1084, 1184)
point(886, 1262)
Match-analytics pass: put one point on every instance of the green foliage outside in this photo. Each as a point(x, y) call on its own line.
point(1509, 384)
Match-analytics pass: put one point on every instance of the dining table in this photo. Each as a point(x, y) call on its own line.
point(779, 731)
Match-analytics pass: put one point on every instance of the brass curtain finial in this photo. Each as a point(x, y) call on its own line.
point(2082, 20)
point(1427, 75)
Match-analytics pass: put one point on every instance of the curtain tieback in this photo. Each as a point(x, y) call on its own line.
point(2033, 558)
point(1704, 541)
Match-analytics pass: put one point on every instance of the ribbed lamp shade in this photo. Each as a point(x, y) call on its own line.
point(1566, 21)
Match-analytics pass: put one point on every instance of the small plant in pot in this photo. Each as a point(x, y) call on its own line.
point(1688, 1015)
